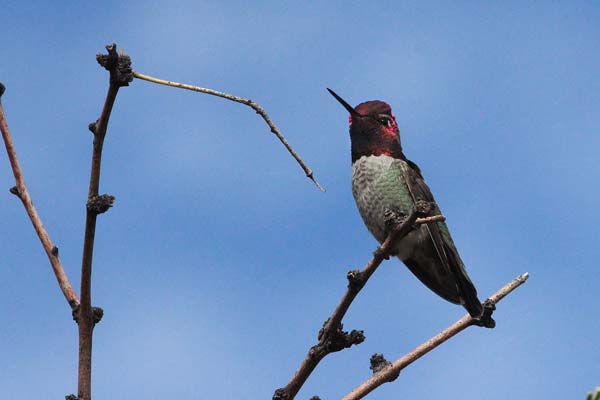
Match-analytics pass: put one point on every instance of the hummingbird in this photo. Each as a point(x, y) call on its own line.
point(386, 186)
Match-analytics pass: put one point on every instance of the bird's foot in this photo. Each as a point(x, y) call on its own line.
point(486, 320)
point(393, 218)
point(424, 208)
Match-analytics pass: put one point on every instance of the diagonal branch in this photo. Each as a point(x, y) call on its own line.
point(391, 371)
point(332, 338)
point(250, 103)
point(20, 190)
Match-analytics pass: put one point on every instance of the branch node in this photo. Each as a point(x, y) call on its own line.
point(75, 313)
point(332, 340)
point(356, 280)
point(119, 65)
point(98, 314)
point(92, 126)
point(100, 204)
point(15, 190)
point(54, 251)
point(379, 363)
point(354, 338)
point(281, 394)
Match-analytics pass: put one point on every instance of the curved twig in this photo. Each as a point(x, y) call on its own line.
point(250, 103)
point(20, 190)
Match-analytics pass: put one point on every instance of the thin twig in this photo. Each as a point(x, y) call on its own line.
point(332, 337)
point(20, 190)
point(119, 67)
point(392, 371)
point(255, 106)
point(433, 218)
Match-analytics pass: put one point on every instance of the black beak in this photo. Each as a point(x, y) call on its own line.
point(347, 106)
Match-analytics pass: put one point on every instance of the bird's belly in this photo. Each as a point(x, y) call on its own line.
point(409, 245)
point(378, 187)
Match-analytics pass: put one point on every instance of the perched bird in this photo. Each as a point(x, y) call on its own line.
point(386, 186)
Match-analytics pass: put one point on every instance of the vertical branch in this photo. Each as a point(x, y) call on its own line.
point(120, 75)
point(20, 190)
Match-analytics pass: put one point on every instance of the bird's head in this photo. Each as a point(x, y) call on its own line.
point(373, 129)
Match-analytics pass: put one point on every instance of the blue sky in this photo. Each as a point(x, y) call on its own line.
point(220, 260)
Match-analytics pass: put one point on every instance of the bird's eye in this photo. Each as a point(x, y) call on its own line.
point(385, 120)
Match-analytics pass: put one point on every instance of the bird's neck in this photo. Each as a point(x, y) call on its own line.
point(369, 145)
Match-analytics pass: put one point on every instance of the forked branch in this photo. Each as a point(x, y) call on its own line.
point(332, 338)
point(250, 103)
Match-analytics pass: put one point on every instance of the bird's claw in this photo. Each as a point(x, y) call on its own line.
point(393, 218)
point(424, 208)
point(486, 320)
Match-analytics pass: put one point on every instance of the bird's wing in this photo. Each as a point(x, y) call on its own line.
point(442, 241)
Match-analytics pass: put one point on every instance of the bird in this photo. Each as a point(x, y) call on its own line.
point(386, 187)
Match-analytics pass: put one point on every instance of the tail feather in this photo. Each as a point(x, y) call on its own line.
point(467, 290)
point(451, 260)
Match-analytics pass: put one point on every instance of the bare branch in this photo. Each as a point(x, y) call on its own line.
point(433, 218)
point(391, 372)
point(119, 67)
point(331, 337)
point(20, 190)
point(255, 106)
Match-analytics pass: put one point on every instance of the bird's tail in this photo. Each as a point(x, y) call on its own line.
point(467, 290)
